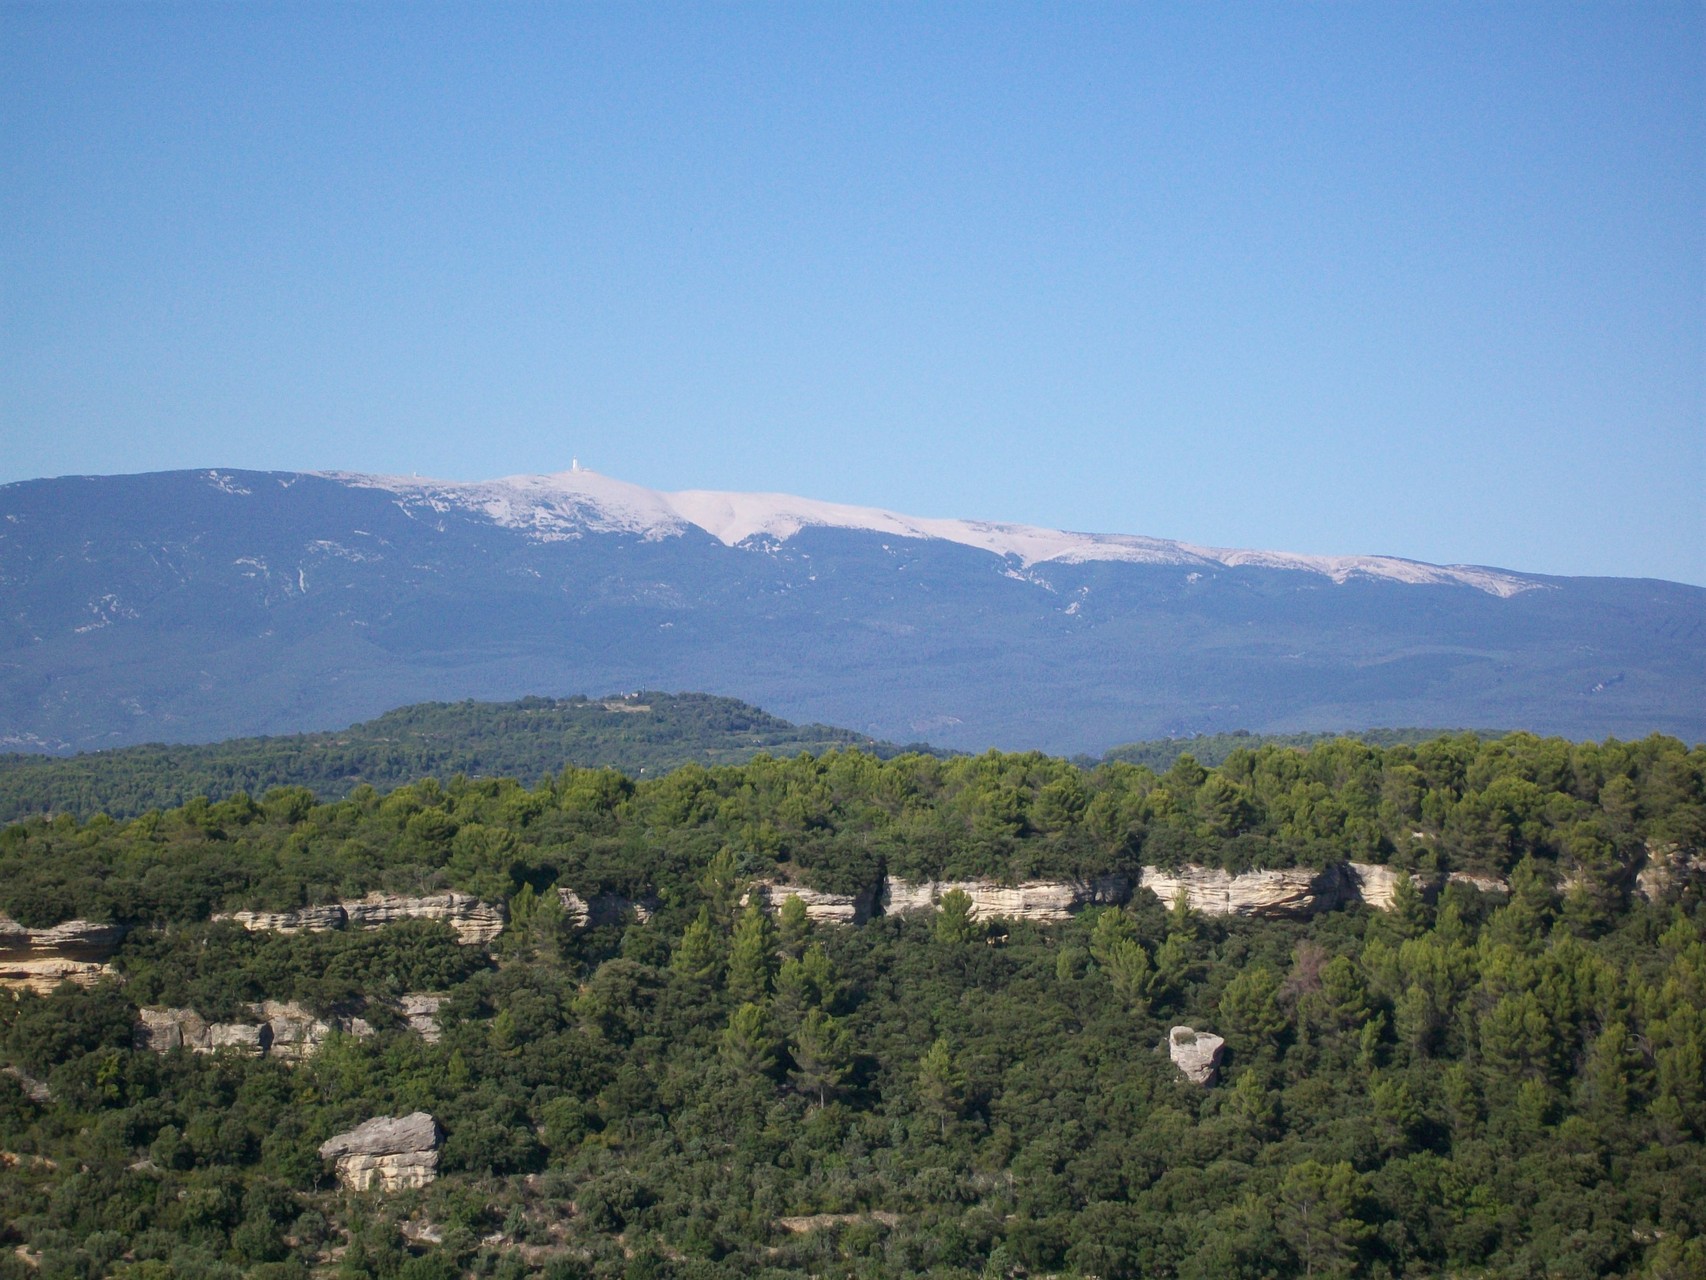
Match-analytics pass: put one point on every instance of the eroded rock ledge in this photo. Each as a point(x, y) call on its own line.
point(387, 1153)
point(40, 959)
point(280, 1029)
point(1291, 893)
point(475, 923)
point(603, 909)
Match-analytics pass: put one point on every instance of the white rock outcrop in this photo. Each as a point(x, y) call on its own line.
point(39, 960)
point(1196, 1053)
point(420, 1011)
point(1665, 868)
point(1486, 884)
point(281, 1029)
point(1377, 885)
point(1045, 901)
point(387, 1153)
point(474, 922)
point(604, 909)
point(821, 908)
point(1289, 893)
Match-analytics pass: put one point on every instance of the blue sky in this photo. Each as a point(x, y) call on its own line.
point(1424, 280)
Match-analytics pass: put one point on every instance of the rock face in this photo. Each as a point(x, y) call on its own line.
point(821, 908)
point(1376, 885)
point(1045, 901)
point(388, 1153)
point(1196, 1053)
point(40, 959)
point(1293, 892)
point(474, 922)
point(282, 1030)
point(420, 1011)
point(1486, 884)
point(1667, 867)
point(603, 909)
point(35, 1090)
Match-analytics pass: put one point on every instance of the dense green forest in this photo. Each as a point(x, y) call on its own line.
point(1499, 1085)
point(1213, 748)
point(638, 733)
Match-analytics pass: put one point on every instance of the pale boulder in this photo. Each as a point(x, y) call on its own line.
point(1196, 1053)
point(387, 1153)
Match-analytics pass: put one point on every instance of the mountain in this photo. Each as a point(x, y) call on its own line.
point(191, 606)
point(528, 739)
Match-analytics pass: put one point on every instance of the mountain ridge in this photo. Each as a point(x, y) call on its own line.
point(211, 604)
point(547, 506)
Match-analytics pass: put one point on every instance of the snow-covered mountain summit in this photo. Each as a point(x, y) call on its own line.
point(571, 503)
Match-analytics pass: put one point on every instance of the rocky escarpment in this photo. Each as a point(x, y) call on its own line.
point(821, 908)
point(1196, 1053)
point(1046, 901)
point(40, 959)
point(474, 922)
point(604, 909)
point(1290, 893)
point(280, 1029)
point(388, 1153)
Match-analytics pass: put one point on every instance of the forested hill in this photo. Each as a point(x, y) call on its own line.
point(529, 739)
point(633, 1072)
point(1211, 749)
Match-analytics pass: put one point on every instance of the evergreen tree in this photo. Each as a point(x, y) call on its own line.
point(794, 926)
point(748, 1043)
point(823, 1054)
point(941, 1085)
point(700, 953)
point(752, 957)
point(955, 923)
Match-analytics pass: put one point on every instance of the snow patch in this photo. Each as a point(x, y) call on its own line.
point(569, 504)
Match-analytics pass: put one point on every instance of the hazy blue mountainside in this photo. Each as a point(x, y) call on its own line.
point(530, 739)
point(190, 606)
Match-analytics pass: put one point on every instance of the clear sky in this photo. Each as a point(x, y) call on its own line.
point(1423, 280)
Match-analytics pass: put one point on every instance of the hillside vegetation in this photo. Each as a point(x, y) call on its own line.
point(532, 738)
point(1479, 1085)
point(1213, 748)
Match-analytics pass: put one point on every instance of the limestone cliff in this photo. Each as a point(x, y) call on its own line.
point(474, 922)
point(40, 959)
point(604, 909)
point(387, 1153)
point(279, 1029)
point(1045, 901)
point(821, 908)
point(1291, 892)
point(1376, 885)
point(420, 1013)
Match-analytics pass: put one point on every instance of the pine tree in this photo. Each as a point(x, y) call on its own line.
point(749, 1044)
point(752, 957)
point(955, 923)
point(700, 954)
point(823, 1054)
point(1115, 947)
point(941, 1086)
point(794, 926)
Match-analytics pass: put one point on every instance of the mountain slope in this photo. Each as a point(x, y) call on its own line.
point(187, 606)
